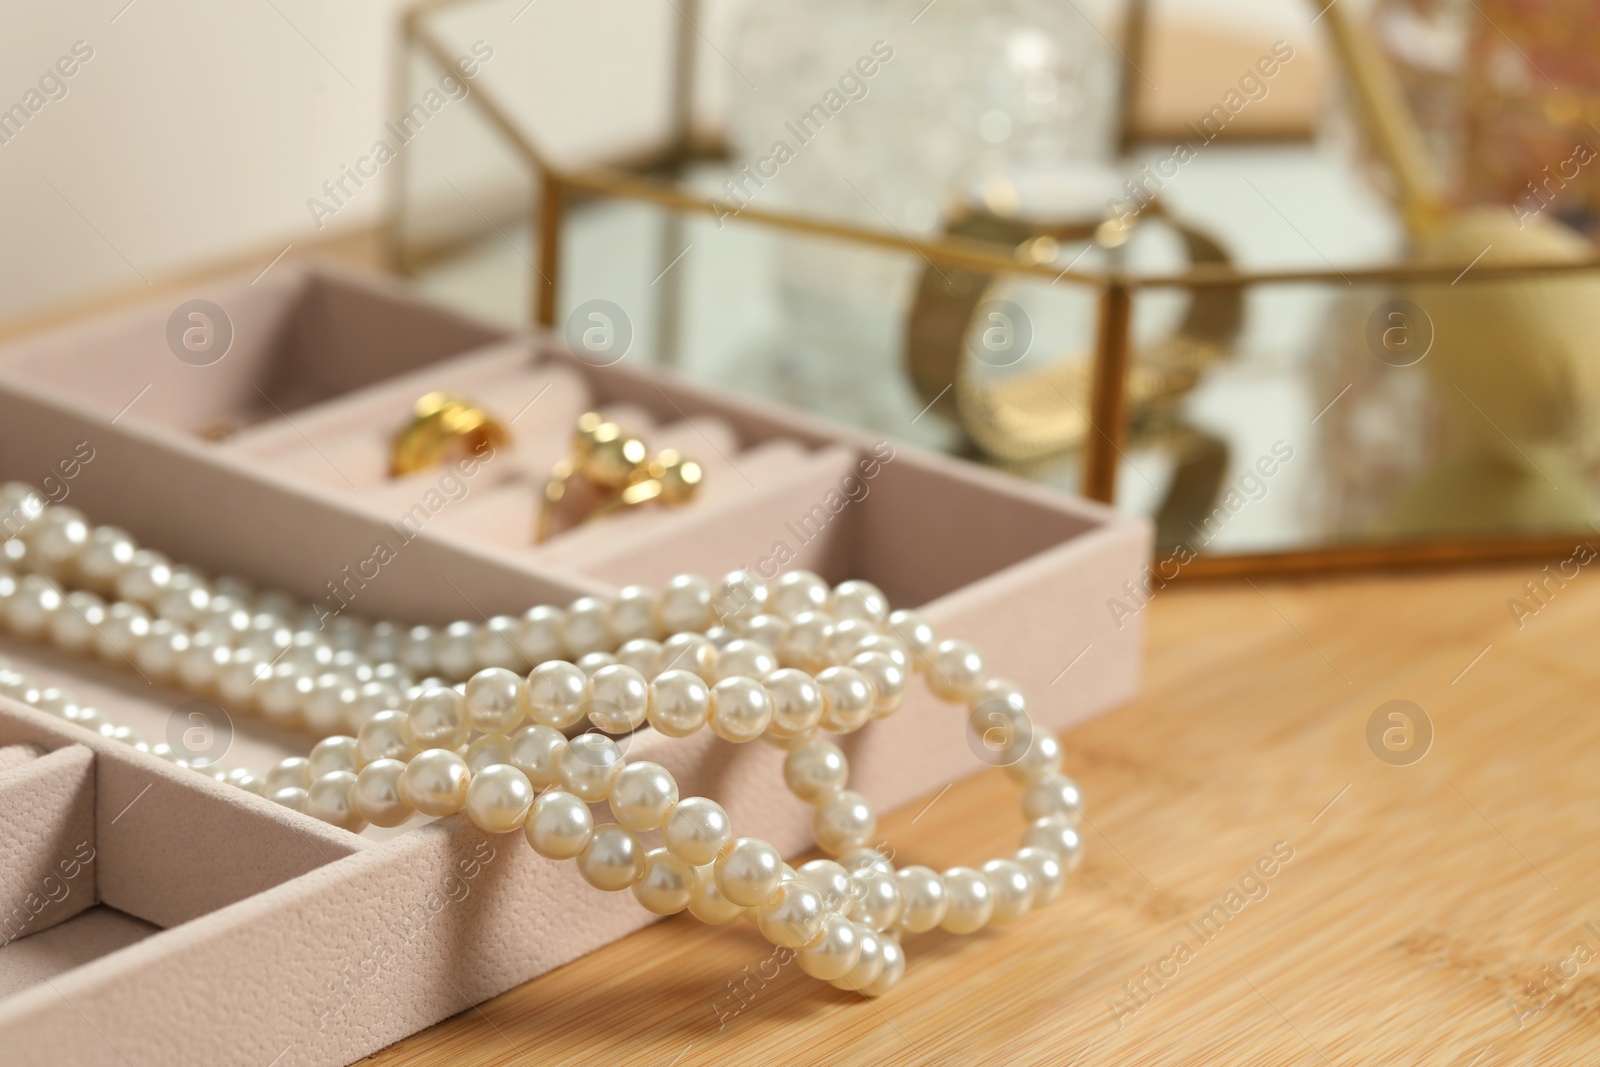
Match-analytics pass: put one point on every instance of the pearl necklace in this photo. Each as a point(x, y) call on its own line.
point(745, 659)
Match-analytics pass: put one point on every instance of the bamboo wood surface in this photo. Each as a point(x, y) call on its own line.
point(1419, 904)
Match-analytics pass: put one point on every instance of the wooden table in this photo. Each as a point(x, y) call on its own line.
point(1441, 912)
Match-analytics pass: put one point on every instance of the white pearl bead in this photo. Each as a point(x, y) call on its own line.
point(559, 825)
point(633, 614)
point(243, 779)
point(866, 860)
point(1002, 729)
point(145, 577)
point(835, 953)
point(124, 624)
point(869, 964)
point(894, 968)
point(328, 799)
point(35, 603)
point(332, 754)
point(667, 884)
point(740, 709)
point(888, 679)
point(740, 597)
point(383, 737)
point(72, 628)
point(293, 771)
point(156, 654)
point(437, 719)
point(1044, 871)
point(1055, 833)
point(539, 634)
point(1040, 759)
point(376, 794)
point(184, 604)
point(588, 766)
point(846, 637)
point(924, 898)
point(1003, 696)
point(590, 662)
point(417, 651)
point(291, 796)
point(283, 695)
point(892, 647)
point(619, 699)
point(767, 630)
point(494, 701)
point(556, 693)
point(680, 703)
point(706, 901)
point(454, 650)
point(835, 884)
point(697, 830)
point(793, 916)
point(850, 699)
point(487, 750)
point(58, 538)
point(536, 752)
point(690, 652)
point(373, 697)
point(918, 635)
point(805, 645)
point(971, 900)
point(956, 672)
point(643, 654)
point(237, 678)
point(1054, 794)
point(815, 770)
point(744, 658)
point(201, 663)
point(499, 799)
point(748, 871)
point(797, 592)
point(797, 704)
point(435, 782)
point(843, 821)
point(108, 553)
point(858, 600)
point(1011, 889)
point(495, 645)
point(586, 628)
point(643, 796)
point(383, 642)
point(329, 705)
point(613, 858)
point(879, 904)
point(685, 604)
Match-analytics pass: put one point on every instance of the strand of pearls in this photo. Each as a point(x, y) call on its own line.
point(746, 660)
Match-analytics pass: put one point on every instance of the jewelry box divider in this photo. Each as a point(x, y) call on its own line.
point(284, 940)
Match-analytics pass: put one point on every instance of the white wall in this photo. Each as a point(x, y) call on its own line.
point(198, 130)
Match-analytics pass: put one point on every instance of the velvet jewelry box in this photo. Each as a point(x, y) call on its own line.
point(151, 915)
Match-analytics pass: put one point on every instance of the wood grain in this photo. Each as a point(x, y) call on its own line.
point(1418, 904)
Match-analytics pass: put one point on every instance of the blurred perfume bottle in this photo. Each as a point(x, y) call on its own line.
point(890, 114)
point(1506, 93)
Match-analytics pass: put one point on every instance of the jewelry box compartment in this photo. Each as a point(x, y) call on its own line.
point(311, 968)
point(240, 355)
point(119, 870)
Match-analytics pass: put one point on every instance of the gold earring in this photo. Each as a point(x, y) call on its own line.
point(618, 465)
point(442, 424)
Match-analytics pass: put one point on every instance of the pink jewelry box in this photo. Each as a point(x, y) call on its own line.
point(159, 916)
